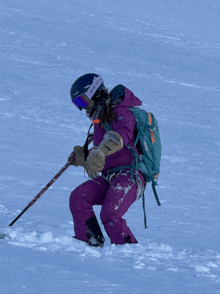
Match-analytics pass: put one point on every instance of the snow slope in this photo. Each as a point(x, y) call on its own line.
point(167, 53)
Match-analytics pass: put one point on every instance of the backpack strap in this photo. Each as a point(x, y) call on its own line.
point(154, 183)
point(107, 126)
point(144, 209)
point(134, 161)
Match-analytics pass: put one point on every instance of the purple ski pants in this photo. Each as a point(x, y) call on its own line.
point(115, 197)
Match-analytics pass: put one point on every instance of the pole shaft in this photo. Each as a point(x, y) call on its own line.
point(41, 192)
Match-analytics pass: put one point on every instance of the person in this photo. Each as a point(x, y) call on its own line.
point(107, 163)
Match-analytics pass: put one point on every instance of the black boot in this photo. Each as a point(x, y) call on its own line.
point(128, 240)
point(94, 233)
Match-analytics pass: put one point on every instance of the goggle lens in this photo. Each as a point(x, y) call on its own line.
point(82, 101)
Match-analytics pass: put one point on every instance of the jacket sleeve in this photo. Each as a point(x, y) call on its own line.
point(125, 124)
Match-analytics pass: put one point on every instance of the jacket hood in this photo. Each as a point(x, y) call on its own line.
point(128, 98)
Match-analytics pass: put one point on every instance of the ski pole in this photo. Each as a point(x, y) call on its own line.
point(71, 161)
point(42, 191)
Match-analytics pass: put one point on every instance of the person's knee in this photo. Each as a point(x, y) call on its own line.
point(107, 215)
point(76, 200)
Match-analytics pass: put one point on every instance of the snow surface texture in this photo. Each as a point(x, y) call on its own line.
point(167, 53)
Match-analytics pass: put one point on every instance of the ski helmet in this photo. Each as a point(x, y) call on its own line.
point(85, 88)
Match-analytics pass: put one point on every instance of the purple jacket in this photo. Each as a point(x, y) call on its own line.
point(124, 127)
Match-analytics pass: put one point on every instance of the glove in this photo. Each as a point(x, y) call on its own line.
point(95, 162)
point(77, 156)
point(111, 143)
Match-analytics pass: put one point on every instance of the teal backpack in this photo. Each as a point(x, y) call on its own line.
point(147, 141)
point(148, 144)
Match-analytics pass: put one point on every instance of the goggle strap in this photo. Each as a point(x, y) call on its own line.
point(93, 88)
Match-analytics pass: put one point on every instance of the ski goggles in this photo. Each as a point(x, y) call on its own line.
point(83, 100)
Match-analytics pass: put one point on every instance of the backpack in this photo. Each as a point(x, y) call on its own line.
point(148, 144)
point(147, 141)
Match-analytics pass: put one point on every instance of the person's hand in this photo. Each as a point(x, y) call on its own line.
point(77, 156)
point(95, 162)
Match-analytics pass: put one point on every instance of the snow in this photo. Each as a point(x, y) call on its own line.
point(167, 53)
